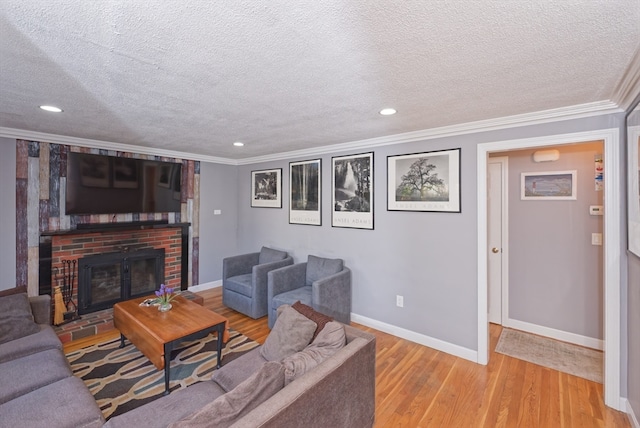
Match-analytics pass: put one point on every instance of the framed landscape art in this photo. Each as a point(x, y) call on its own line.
point(553, 185)
point(305, 192)
point(266, 188)
point(428, 181)
point(352, 191)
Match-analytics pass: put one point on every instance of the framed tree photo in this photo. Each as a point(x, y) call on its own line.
point(352, 191)
point(428, 181)
point(266, 188)
point(305, 192)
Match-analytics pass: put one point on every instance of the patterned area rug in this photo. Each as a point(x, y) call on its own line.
point(123, 379)
point(565, 357)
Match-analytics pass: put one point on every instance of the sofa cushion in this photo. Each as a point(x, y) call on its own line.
point(44, 339)
point(23, 375)
point(65, 403)
point(176, 406)
point(268, 255)
point(241, 284)
point(291, 333)
point(319, 267)
point(237, 371)
point(330, 339)
point(16, 319)
point(320, 319)
point(225, 410)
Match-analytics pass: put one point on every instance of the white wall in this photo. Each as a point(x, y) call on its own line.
point(8, 212)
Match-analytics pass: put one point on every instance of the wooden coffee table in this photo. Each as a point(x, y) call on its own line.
point(156, 333)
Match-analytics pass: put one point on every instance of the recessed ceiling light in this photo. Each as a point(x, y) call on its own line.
point(388, 111)
point(238, 144)
point(52, 109)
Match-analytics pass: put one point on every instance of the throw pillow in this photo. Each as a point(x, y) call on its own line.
point(226, 409)
point(331, 339)
point(268, 255)
point(319, 267)
point(291, 333)
point(320, 319)
point(16, 319)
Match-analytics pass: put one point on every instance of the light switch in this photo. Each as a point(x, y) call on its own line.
point(217, 212)
point(596, 239)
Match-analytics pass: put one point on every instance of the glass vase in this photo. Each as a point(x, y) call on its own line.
point(164, 307)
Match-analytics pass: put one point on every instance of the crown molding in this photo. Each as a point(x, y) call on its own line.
point(21, 134)
point(628, 87)
point(544, 116)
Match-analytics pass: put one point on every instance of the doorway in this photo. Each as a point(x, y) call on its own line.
point(612, 230)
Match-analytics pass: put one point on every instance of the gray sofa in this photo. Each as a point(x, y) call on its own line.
point(339, 392)
point(37, 388)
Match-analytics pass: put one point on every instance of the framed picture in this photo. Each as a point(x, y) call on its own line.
point(352, 191)
point(94, 171)
point(553, 185)
point(428, 181)
point(633, 184)
point(266, 188)
point(305, 192)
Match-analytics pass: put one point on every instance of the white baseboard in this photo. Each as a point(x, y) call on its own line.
point(564, 336)
point(206, 286)
point(633, 419)
point(440, 345)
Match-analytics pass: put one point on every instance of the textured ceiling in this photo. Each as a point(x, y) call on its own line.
point(195, 76)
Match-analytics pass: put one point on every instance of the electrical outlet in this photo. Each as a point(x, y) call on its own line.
point(217, 212)
point(399, 301)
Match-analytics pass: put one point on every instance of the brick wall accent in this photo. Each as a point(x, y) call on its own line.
point(77, 246)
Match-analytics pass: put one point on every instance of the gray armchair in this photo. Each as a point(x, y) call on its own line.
point(244, 280)
point(324, 284)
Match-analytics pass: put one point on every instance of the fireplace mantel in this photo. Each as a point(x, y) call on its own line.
point(115, 227)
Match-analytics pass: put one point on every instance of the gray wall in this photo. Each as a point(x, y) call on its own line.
point(555, 273)
point(429, 258)
point(633, 378)
point(8, 212)
point(218, 233)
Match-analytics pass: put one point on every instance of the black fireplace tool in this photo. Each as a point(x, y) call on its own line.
point(66, 283)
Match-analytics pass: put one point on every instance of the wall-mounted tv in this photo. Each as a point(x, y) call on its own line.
point(99, 184)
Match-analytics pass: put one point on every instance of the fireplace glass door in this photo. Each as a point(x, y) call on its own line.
point(106, 279)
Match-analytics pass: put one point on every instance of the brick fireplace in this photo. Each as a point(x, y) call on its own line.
point(62, 253)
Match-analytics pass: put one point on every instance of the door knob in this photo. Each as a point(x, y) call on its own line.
point(495, 250)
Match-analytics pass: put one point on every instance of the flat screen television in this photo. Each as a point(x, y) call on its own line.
point(100, 184)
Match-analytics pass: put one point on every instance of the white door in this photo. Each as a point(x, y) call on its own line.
point(496, 222)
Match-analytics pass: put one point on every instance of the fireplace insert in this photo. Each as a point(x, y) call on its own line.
point(105, 279)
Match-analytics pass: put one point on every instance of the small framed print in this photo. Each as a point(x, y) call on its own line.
point(428, 181)
point(305, 192)
point(352, 191)
point(266, 188)
point(548, 186)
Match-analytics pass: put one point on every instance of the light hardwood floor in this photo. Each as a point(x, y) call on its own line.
point(418, 386)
